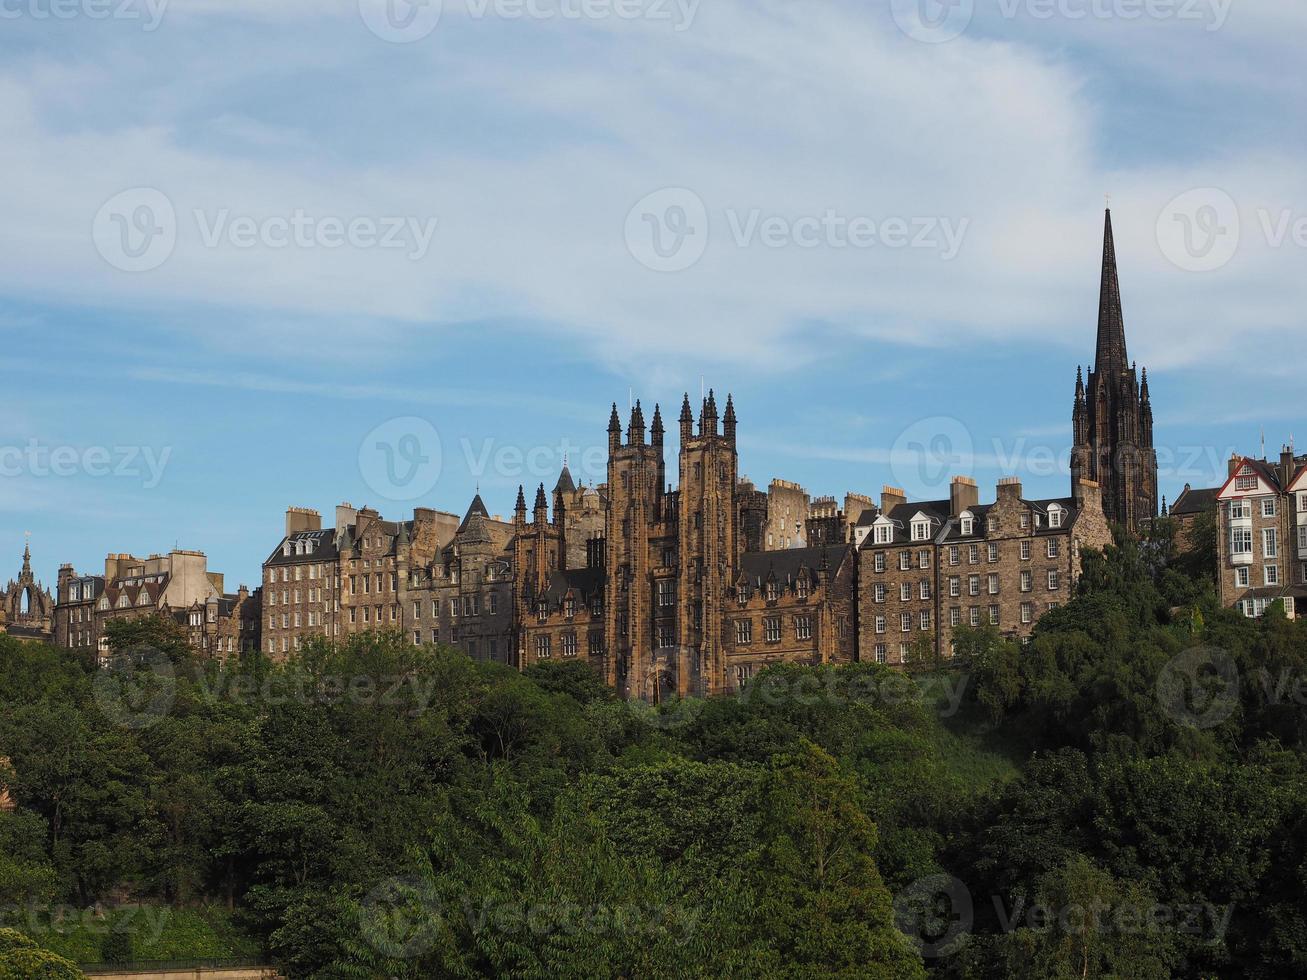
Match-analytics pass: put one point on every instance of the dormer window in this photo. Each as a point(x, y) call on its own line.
point(920, 530)
point(884, 534)
point(968, 524)
point(104, 603)
point(285, 549)
point(143, 599)
point(1055, 516)
point(124, 602)
point(771, 592)
point(802, 587)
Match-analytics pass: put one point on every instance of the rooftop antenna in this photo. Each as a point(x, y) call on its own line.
point(1263, 442)
point(630, 399)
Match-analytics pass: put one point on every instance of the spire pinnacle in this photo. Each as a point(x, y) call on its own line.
point(686, 414)
point(614, 423)
point(1110, 356)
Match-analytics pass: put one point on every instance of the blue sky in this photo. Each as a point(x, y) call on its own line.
point(520, 160)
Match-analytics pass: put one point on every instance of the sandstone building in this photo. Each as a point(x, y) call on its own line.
point(1262, 534)
point(926, 568)
point(1112, 419)
point(177, 585)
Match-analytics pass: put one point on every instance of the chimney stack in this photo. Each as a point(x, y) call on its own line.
point(1009, 489)
point(302, 519)
point(963, 495)
point(891, 497)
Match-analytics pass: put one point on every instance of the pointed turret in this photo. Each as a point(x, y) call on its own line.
point(708, 417)
point(27, 560)
point(519, 511)
point(1110, 356)
point(728, 420)
point(1080, 386)
point(687, 420)
point(614, 430)
point(542, 506)
point(1143, 390)
point(635, 430)
point(656, 427)
point(565, 482)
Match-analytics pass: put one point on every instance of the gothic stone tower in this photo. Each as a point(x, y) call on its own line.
point(27, 604)
point(1112, 420)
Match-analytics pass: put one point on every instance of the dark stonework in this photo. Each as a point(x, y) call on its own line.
point(1112, 419)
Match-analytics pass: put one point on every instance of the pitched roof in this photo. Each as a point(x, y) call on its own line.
point(757, 565)
point(1193, 501)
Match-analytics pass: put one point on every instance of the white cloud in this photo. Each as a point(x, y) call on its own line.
point(558, 129)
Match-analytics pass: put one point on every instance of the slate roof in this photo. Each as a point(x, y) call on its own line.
point(755, 566)
point(324, 547)
point(1193, 501)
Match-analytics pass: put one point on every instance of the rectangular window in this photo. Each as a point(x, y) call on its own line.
point(771, 627)
point(905, 591)
point(992, 552)
point(1241, 541)
point(973, 585)
point(993, 584)
point(880, 592)
point(1027, 581)
point(880, 561)
point(1271, 574)
point(923, 590)
point(1241, 577)
point(925, 619)
point(1054, 547)
point(569, 644)
point(923, 558)
point(880, 653)
point(955, 616)
point(953, 554)
point(743, 632)
point(543, 646)
point(905, 622)
point(954, 586)
point(993, 615)
point(803, 627)
point(880, 624)
point(1268, 506)
point(975, 615)
point(1027, 613)
point(1054, 579)
point(1270, 542)
point(1240, 510)
point(1025, 551)
point(905, 560)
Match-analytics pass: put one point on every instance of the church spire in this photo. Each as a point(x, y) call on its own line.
point(1110, 358)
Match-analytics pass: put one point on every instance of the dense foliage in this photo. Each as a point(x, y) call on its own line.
point(1125, 795)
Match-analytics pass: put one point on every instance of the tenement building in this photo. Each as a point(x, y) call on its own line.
point(927, 568)
point(1112, 419)
point(177, 585)
point(1262, 534)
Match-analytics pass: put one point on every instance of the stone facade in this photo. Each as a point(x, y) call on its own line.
point(1112, 418)
point(27, 609)
point(1262, 534)
point(177, 585)
point(927, 568)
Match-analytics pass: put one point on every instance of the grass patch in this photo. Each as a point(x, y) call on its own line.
point(154, 932)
